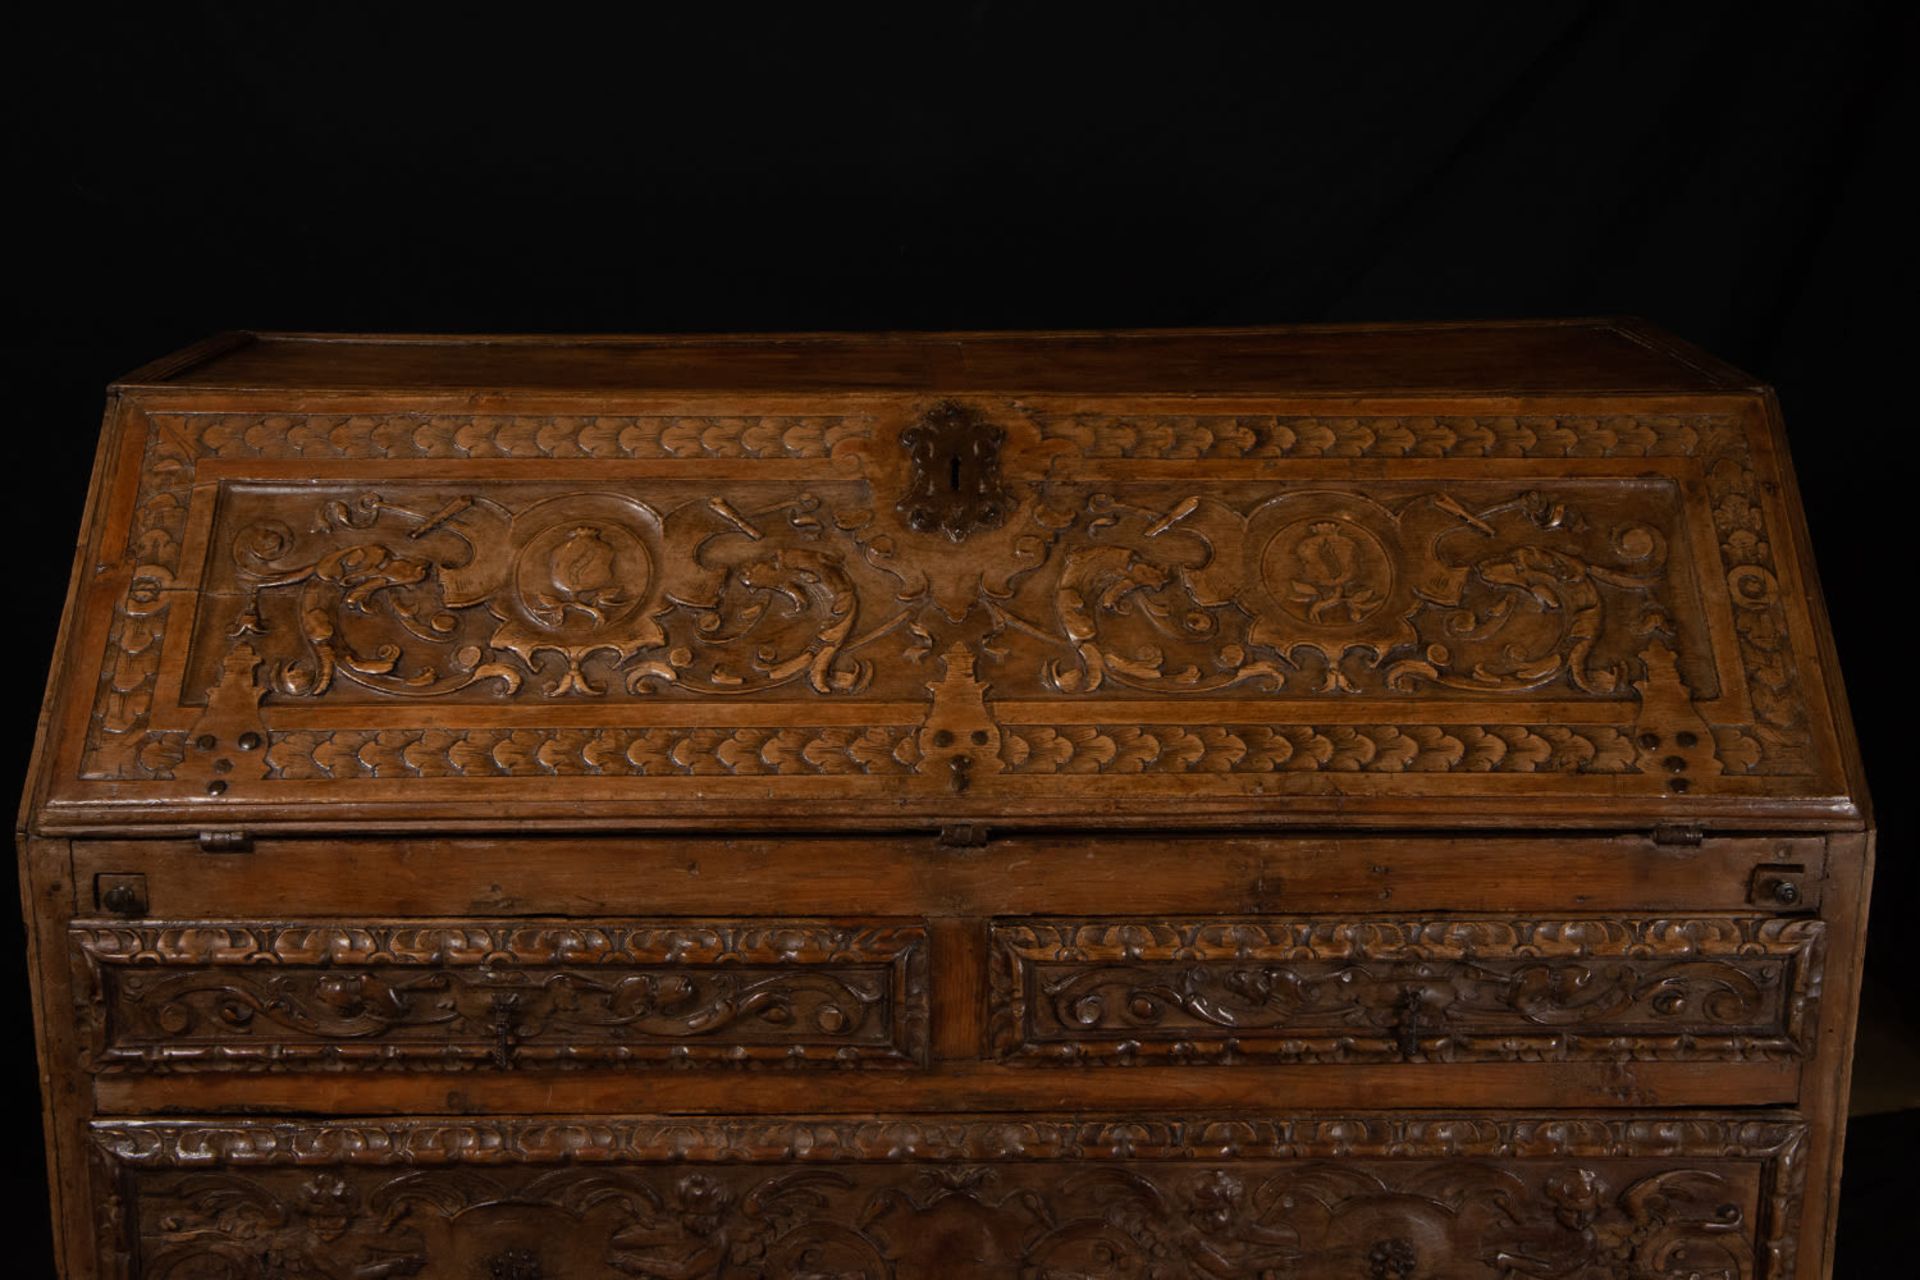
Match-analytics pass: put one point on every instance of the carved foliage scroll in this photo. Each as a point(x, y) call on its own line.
point(1266, 990)
point(237, 996)
point(1065, 586)
point(1577, 1198)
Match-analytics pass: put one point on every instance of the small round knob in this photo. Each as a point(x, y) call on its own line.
point(1786, 892)
point(120, 900)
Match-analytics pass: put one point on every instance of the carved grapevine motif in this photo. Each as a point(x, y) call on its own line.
point(1576, 1198)
point(258, 996)
point(1725, 987)
point(1082, 588)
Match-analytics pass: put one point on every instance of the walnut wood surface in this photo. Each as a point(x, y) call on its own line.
point(451, 995)
point(869, 605)
point(915, 1198)
point(1367, 801)
point(1232, 990)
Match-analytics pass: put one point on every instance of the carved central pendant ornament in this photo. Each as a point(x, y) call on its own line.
point(956, 488)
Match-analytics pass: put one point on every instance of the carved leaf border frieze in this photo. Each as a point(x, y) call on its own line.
point(254, 1143)
point(1204, 436)
point(1708, 988)
point(122, 742)
point(1299, 748)
point(895, 751)
point(198, 996)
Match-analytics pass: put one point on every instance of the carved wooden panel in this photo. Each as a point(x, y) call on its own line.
point(944, 603)
point(943, 1198)
point(203, 996)
point(1419, 990)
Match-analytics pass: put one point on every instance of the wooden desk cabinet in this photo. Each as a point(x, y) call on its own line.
point(1355, 802)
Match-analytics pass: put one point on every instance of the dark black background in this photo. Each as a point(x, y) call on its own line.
point(1735, 172)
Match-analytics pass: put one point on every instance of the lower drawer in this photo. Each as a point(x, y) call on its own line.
point(1386, 1197)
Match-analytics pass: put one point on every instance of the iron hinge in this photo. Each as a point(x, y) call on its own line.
point(226, 842)
point(1678, 833)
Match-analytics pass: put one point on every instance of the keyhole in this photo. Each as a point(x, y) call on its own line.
point(953, 474)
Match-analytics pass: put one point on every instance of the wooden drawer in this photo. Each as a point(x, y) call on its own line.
point(956, 1197)
point(1435, 989)
point(500, 994)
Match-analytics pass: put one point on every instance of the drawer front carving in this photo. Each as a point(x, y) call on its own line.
point(234, 995)
point(1426, 990)
point(1581, 1198)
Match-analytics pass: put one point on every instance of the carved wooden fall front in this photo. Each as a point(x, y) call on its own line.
point(834, 622)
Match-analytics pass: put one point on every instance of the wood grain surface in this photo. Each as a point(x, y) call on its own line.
point(1363, 801)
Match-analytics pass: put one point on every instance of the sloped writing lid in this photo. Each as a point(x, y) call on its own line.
point(349, 608)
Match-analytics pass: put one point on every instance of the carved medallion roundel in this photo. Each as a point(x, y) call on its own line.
point(581, 579)
point(1327, 572)
point(582, 575)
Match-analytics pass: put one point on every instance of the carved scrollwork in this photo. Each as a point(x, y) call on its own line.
point(1575, 1198)
point(1725, 988)
point(1089, 584)
point(205, 997)
point(1333, 591)
point(759, 603)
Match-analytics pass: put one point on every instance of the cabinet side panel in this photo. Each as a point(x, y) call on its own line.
point(46, 892)
point(1827, 1078)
